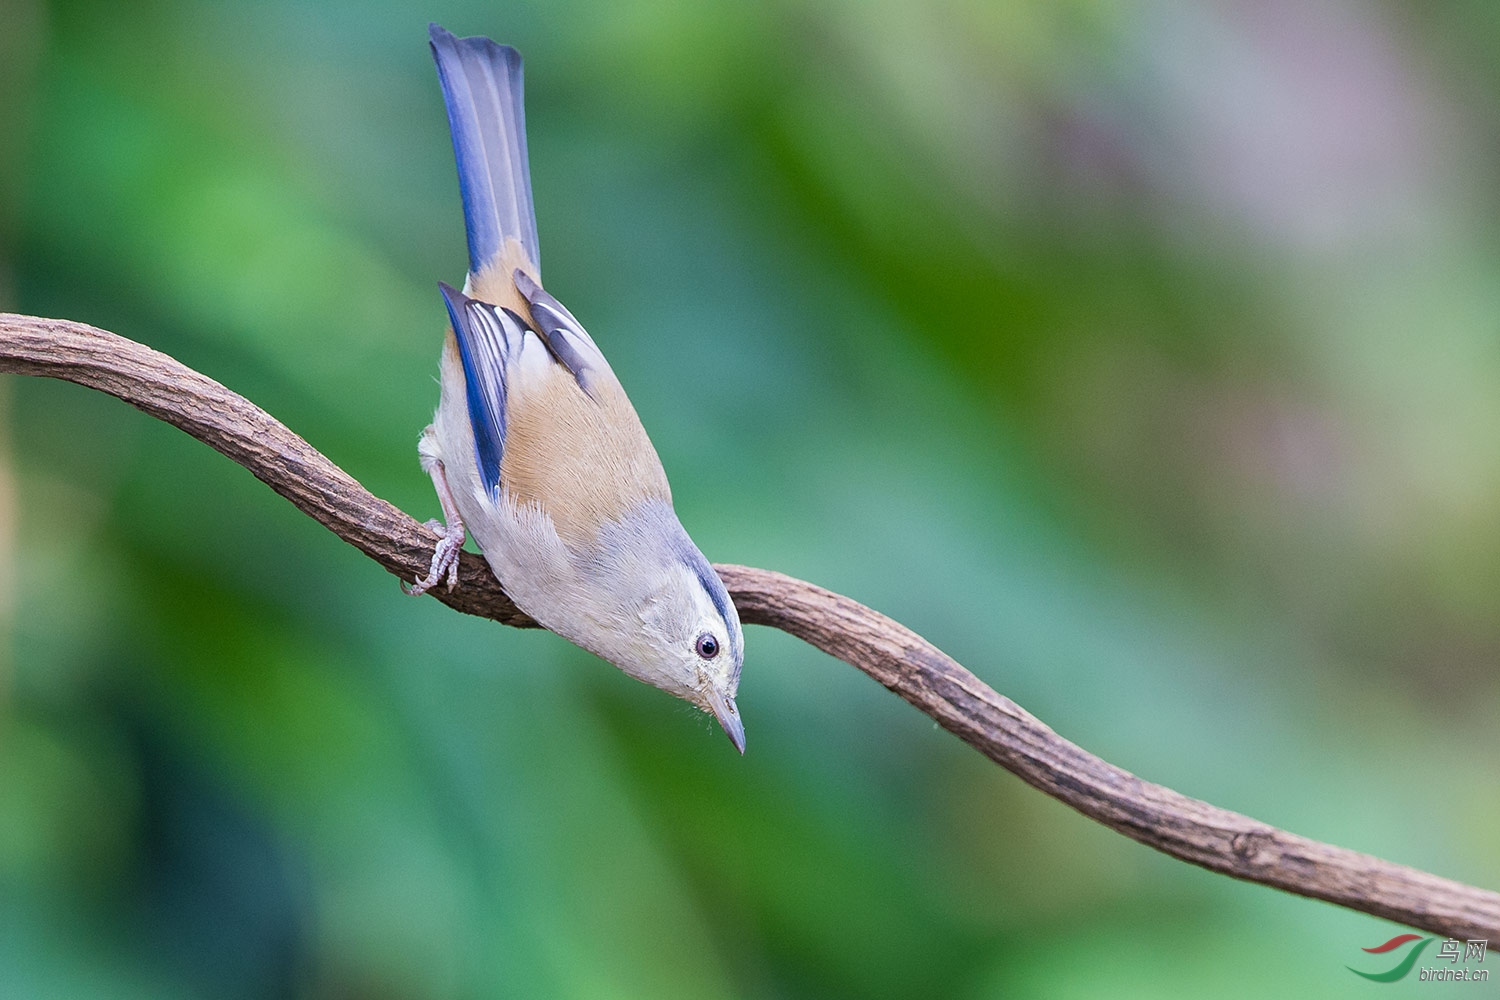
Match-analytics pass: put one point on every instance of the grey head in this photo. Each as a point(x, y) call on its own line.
point(668, 619)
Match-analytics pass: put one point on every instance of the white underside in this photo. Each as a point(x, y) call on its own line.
point(630, 598)
point(519, 543)
point(544, 578)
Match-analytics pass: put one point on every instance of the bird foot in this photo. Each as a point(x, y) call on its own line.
point(444, 557)
point(450, 536)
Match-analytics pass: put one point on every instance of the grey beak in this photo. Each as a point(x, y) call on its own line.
point(729, 717)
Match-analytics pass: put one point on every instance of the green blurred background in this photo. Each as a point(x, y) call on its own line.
point(1145, 357)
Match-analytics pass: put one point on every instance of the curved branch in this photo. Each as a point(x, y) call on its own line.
point(892, 654)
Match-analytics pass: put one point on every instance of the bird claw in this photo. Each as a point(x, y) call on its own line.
point(444, 559)
point(450, 535)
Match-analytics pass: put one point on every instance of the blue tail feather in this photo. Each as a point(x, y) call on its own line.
point(482, 89)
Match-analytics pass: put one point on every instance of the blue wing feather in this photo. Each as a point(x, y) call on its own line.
point(564, 336)
point(488, 338)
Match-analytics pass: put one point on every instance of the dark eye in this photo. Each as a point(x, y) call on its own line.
point(708, 646)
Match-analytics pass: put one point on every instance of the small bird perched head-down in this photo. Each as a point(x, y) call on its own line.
point(535, 446)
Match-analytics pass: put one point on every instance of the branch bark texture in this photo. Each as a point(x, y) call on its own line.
point(1185, 828)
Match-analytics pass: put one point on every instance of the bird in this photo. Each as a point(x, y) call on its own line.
point(536, 451)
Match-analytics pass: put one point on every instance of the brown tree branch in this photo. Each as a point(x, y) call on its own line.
point(897, 657)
